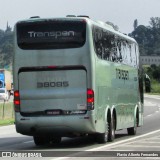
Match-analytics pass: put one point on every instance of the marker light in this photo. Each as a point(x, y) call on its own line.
point(90, 99)
point(17, 101)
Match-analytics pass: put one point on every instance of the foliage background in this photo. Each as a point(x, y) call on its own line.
point(148, 38)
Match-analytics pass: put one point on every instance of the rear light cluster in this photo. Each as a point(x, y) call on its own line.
point(90, 99)
point(17, 101)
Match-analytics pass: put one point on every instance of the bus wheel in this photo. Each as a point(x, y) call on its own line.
point(39, 140)
point(111, 127)
point(133, 130)
point(102, 137)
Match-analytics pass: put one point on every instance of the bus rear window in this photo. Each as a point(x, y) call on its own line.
point(51, 34)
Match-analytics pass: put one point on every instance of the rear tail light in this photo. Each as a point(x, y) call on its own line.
point(90, 99)
point(16, 101)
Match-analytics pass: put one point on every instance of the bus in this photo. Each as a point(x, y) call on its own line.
point(74, 76)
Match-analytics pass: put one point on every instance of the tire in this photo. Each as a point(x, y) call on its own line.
point(39, 140)
point(111, 130)
point(133, 130)
point(103, 137)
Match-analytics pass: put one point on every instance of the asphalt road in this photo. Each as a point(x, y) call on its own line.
point(147, 138)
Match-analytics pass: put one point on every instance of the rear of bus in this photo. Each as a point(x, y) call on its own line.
point(52, 78)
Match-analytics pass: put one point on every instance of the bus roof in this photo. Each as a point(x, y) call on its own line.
point(86, 18)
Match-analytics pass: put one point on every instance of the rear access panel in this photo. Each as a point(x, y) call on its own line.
point(52, 89)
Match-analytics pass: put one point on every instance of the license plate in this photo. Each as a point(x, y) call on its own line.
point(53, 112)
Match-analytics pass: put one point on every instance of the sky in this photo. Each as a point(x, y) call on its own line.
point(120, 12)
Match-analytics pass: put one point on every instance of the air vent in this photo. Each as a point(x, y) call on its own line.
point(83, 16)
point(35, 17)
point(70, 16)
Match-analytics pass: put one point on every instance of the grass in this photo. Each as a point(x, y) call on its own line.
point(6, 113)
point(155, 87)
point(4, 122)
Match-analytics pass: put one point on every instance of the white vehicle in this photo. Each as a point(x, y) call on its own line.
point(74, 76)
point(4, 94)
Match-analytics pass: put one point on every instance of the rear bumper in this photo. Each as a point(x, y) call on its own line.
point(57, 125)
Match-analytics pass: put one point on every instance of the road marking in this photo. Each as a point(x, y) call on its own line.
point(124, 141)
point(110, 145)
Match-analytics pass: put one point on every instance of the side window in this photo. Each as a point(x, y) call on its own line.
point(129, 53)
point(111, 47)
point(136, 55)
point(119, 49)
point(104, 43)
point(126, 52)
point(97, 38)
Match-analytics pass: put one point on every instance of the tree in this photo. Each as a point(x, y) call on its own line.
point(1, 36)
point(140, 34)
point(6, 47)
point(155, 22)
point(113, 25)
point(135, 24)
point(148, 37)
